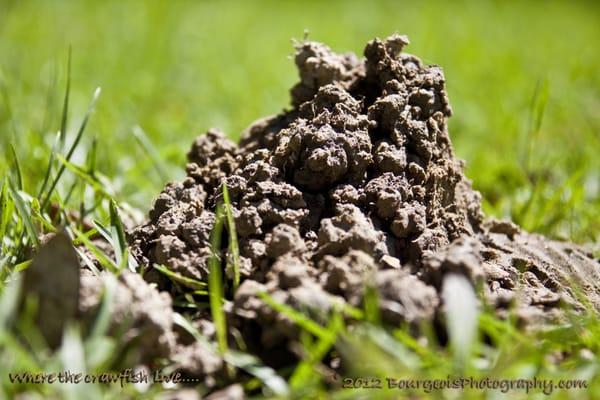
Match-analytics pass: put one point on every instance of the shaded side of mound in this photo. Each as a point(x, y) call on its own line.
point(355, 185)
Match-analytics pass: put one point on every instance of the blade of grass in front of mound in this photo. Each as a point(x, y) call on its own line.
point(371, 304)
point(297, 317)
point(183, 280)
point(117, 230)
point(403, 336)
point(305, 373)
point(393, 347)
point(243, 361)
point(215, 281)
point(102, 322)
point(87, 261)
point(234, 249)
point(102, 258)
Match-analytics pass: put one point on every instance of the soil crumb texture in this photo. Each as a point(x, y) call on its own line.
point(355, 186)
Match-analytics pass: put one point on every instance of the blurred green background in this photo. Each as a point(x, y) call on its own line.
point(522, 77)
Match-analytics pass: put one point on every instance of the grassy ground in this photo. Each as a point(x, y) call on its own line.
point(522, 77)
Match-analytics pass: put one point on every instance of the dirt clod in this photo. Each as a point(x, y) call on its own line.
point(356, 185)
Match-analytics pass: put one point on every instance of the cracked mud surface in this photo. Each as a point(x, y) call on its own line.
point(357, 184)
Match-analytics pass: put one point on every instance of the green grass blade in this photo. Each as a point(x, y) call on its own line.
point(104, 231)
point(392, 346)
point(146, 145)
point(351, 311)
point(537, 109)
point(117, 232)
point(6, 209)
point(406, 339)
point(304, 372)
point(234, 249)
point(65, 110)
point(17, 167)
point(102, 258)
point(40, 218)
point(371, 304)
point(255, 367)
point(49, 167)
point(92, 156)
point(86, 260)
point(297, 317)
point(25, 216)
point(248, 363)
point(59, 145)
point(538, 105)
point(4, 269)
point(22, 266)
point(73, 147)
point(183, 280)
point(84, 175)
point(102, 321)
point(20, 351)
point(180, 320)
point(215, 281)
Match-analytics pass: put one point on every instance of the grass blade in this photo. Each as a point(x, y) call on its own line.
point(392, 346)
point(59, 144)
point(215, 281)
point(84, 175)
point(247, 362)
point(255, 367)
point(17, 167)
point(151, 151)
point(92, 156)
point(117, 232)
point(102, 321)
point(234, 249)
point(102, 230)
point(25, 216)
point(86, 260)
point(371, 304)
point(102, 258)
point(183, 280)
point(49, 167)
point(6, 209)
point(65, 111)
point(304, 372)
point(73, 147)
point(537, 109)
point(297, 317)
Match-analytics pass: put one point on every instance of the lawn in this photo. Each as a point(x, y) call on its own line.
point(522, 78)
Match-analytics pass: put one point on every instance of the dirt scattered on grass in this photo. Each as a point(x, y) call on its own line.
point(356, 185)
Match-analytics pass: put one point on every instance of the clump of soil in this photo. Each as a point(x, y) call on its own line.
point(356, 185)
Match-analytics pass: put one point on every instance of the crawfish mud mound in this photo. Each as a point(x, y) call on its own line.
point(356, 185)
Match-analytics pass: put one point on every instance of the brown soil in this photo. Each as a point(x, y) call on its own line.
point(357, 184)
